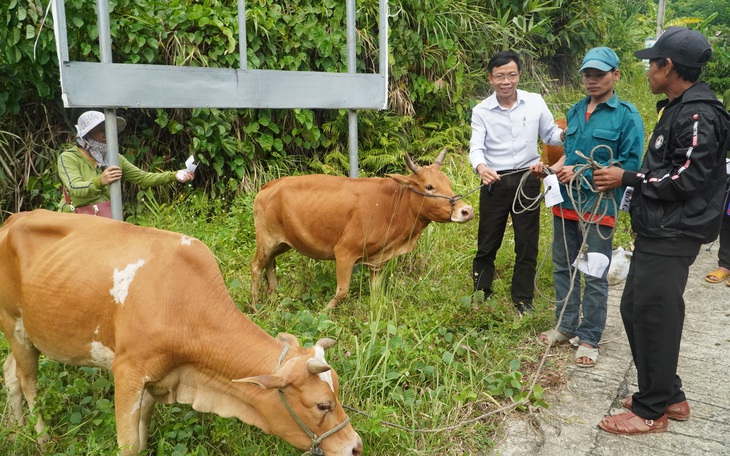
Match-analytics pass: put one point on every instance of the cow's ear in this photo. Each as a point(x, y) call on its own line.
point(401, 179)
point(440, 159)
point(317, 366)
point(288, 339)
point(264, 381)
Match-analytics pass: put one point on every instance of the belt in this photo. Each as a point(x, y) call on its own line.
point(513, 171)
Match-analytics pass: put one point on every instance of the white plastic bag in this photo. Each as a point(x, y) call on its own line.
point(619, 269)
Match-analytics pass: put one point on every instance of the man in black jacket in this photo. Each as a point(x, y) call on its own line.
point(675, 208)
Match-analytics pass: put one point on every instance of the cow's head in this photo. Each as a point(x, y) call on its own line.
point(440, 203)
point(306, 406)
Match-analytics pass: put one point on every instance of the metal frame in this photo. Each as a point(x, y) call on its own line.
point(87, 84)
point(113, 85)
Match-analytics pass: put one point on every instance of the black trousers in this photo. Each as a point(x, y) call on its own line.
point(495, 206)
point(723, 253)
point(652, 310)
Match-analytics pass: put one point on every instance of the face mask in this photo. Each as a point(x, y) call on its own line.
point(96, 149)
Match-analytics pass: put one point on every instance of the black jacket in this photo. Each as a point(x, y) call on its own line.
point(679, 190)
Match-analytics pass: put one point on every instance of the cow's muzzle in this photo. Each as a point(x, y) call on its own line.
point(467, 213)
point(314, 449)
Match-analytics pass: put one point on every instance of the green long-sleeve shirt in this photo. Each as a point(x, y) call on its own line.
point(82, 178)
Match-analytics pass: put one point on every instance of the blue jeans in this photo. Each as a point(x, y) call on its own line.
point(584, 318)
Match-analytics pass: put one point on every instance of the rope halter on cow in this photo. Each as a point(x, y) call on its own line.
point(314, 449)
point(439, 160)
point(452, 199)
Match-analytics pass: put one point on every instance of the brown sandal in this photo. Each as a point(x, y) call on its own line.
point(678, 411)
point(623, 424)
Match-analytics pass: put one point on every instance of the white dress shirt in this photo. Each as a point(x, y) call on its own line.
point(506, 138)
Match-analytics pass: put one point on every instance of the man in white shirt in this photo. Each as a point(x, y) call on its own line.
point(503, 145)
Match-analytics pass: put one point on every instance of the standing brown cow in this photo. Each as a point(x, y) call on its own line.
point(151, 305)
point(367, 221)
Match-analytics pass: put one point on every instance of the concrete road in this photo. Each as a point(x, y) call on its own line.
point(569, 426)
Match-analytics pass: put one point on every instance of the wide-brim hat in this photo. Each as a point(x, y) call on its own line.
point(90, 119)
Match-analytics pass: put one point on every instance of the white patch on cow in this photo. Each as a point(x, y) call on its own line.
point(122, 280)
point(138, 403)
point(324, 376)
point(101, 356)
point(20, 335)
point(187, 240)
point(319, 353)
point(96, 331)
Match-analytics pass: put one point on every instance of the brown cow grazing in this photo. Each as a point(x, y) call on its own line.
point(152, 306)
point(368, 220)
point(551, 154)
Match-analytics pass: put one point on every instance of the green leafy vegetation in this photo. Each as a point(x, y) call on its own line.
point(418, 350)
point(438, 53)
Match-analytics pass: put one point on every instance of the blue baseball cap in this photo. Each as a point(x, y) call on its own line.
point(600, 58)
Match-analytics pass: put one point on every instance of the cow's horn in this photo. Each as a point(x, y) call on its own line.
point(317, 366)
point(411, 165)
point(440, 159)
point(326, 343)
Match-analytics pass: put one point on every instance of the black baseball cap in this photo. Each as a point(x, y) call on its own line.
point(684, 46)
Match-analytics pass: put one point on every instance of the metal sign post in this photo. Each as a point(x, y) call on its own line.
point(110, 124)
point(89, 84)
point(111, 85)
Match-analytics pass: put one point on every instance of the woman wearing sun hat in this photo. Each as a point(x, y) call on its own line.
point(85, 174)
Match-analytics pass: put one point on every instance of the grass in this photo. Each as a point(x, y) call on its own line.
point(418, 351)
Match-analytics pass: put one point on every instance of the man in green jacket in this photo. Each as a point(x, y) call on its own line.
point(603, 131)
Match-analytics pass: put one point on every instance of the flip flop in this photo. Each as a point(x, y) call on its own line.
point(586, 352)
point(553, 338)
point(717, 276)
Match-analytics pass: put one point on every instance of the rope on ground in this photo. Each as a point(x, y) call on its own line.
point(588, 215)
